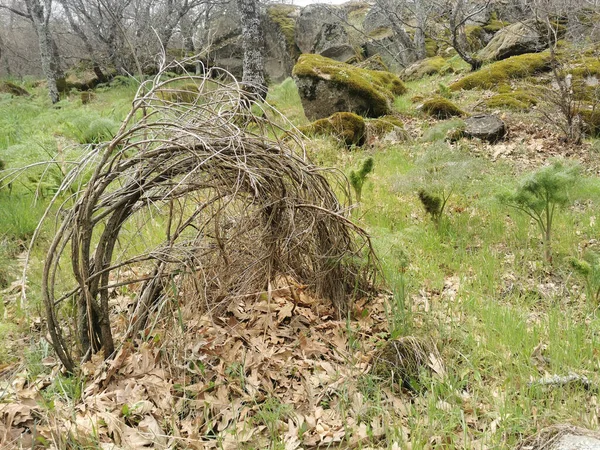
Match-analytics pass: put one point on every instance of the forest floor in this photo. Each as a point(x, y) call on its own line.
point(484, 319)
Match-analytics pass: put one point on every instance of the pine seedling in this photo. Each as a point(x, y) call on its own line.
point(357, 178)
point(541, 194)
point(589, 269)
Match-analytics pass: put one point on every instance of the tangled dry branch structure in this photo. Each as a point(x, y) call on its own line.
point(195, 200)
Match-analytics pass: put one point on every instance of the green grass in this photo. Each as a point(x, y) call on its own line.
point(477, 285)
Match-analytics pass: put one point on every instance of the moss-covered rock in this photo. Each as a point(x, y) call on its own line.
point(386, 129)
point(347, 127)
point(591, 121)
point(374, 62)
point(518, 100)
point(441, 108)
point(495, 25)
point(502, 71)
point(428, 66)
point(327, 86)
point(283, 17)
point(6, 87)
point(516, 39)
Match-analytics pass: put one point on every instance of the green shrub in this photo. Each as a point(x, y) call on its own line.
point(489, 76)
point(441, 108)
point(541, 194)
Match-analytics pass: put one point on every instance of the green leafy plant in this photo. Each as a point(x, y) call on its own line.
point(541, 194)
point(357, 177)
point(589, 269)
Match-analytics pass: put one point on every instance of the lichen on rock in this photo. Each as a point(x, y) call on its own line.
point(327, 86)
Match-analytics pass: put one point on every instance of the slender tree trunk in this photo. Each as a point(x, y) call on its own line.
point(253, 40)
point(421, 18)
point(40, 17)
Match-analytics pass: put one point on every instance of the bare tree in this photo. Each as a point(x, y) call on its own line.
point(39, 13)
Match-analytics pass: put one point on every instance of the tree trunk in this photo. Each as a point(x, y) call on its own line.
point(40, 17)
point(253, 78)
point(421, 18)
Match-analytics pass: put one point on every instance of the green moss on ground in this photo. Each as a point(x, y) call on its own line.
point(441, 108)
point(518, 100)
point(347, 127)
point(377, 87)
point(429, 66)
point(499, 72)
point(280, 15)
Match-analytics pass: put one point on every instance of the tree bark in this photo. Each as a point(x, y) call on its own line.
point(253, 78)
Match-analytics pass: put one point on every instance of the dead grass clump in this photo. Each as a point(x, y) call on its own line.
point(403, 361)
point(195, 195)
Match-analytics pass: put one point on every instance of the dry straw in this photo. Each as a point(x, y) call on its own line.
point(195, 195)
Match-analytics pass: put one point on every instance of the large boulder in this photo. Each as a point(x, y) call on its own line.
point(281, 49)
point(516, 39)
point(224, 45)
point(311, 21)
point(485, 127)
point(327, 86)
point(333, 42)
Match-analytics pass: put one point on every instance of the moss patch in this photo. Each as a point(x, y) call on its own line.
point(429, 66)
point(441, 108)
point(431, 47)
point(520, 66)
point(374, 62)
point(518, 100)
point(347, 127)
point(495, 25)
point(281, 15)
point(591, 121)
point(377, 87)
point(384, 124)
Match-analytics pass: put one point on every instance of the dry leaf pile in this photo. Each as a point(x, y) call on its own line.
point(275, 367)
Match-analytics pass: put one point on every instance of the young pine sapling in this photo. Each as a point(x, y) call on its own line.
point(357, 178)
point(540, 194)
point(589, 269)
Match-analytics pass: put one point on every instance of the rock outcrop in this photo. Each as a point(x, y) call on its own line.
point(516, 39)
point(327, 86)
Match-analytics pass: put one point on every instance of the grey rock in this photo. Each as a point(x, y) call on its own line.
point(333, 42)
point(321, 99)
point(311, 21)
point(575, 442)
point(485, 127)
point(515, 39)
